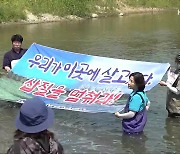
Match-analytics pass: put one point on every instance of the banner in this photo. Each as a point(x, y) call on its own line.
point(79, 82)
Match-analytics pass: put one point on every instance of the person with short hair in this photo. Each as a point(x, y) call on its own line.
point(32, 135)
point(135, 111)
point(15, 53)
point(173, 89)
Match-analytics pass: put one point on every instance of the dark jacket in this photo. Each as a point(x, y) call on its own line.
point(12, 55)
point(28, 145)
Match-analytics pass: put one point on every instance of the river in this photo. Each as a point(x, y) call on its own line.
point(153, 37)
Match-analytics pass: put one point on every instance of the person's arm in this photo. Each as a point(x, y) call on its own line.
point(134, 106)
point(170, 87)
point(7, 68)
point(173, 89)
point(148, 105)
point(6, 63)
point(127, 115)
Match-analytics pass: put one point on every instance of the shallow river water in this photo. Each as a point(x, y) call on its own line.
point(144, 37)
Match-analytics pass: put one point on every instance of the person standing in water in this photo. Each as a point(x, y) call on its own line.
point(135, 111)
point(15, 53)
point(32, 135)
point(173, 89)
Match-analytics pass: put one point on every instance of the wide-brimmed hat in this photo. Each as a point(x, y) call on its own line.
point(34, 116)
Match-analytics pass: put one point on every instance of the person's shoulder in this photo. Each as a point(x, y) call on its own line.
point(29, 143)
point(28, 140)
point(143, 96)
point(8, 53)
point(139, 95)
point(23, 143)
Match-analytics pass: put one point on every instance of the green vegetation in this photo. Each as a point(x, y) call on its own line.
point(11, 10)
point(14, 10)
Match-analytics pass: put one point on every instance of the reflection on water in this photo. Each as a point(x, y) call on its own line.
point(7, 114)
point(145, 37)
point(134, 143)
point(172, 136)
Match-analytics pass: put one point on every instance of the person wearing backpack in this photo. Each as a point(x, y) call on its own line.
point(32, 135)
point(134, 117)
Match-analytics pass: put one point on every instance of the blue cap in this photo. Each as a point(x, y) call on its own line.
point(34, 116)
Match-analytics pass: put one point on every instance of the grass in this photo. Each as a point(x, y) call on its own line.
point(14, 10)
point(79, 8)
point(11, 11)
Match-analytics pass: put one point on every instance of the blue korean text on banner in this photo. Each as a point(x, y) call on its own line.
point(79, 82)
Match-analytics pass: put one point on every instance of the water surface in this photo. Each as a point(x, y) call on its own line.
point(143, 37)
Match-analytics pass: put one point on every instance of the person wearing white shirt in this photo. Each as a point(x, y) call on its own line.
point(173, 90)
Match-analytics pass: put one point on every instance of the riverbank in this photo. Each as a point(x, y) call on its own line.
point(36, 11)
point(46, 17)
point(31, 18)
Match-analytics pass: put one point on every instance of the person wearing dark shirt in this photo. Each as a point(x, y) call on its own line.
point(15, 53)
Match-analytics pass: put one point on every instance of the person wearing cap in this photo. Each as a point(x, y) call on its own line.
point(15, 53)
point(173, 89)
point(32, 135)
